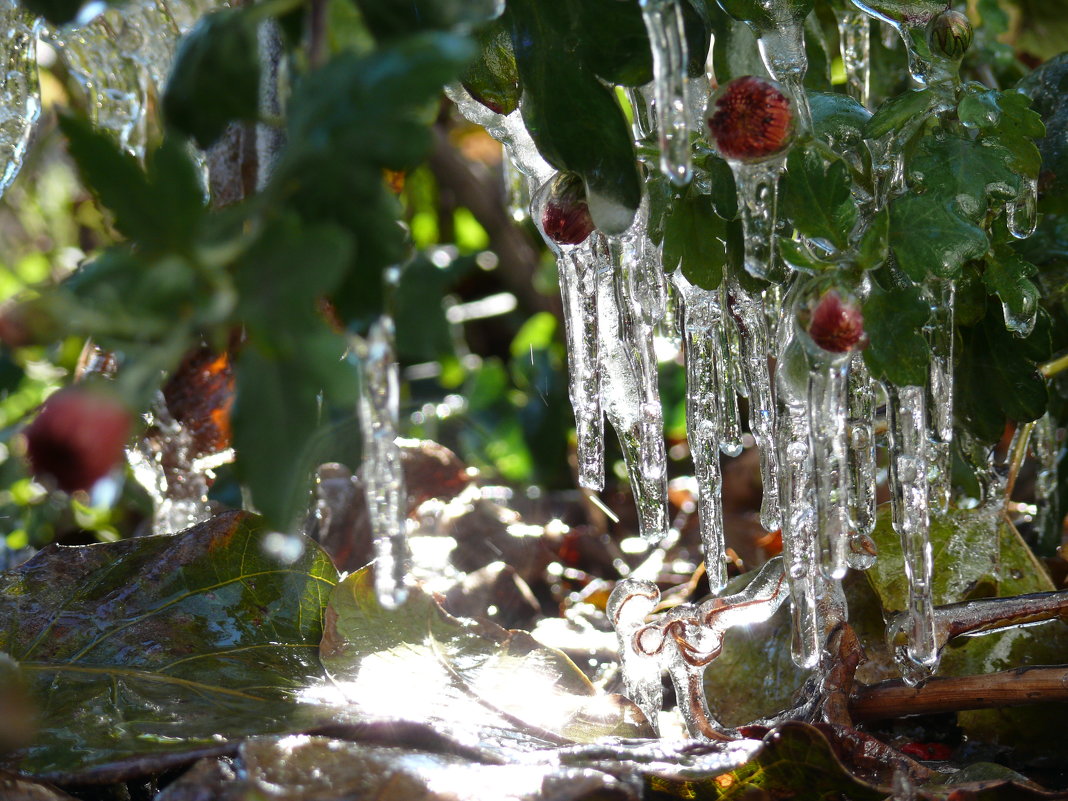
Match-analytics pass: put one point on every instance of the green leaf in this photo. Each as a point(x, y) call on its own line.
point(493, 78)
point(460, 675)
point(800, 257)
point(894, 321)
point(929, 237)
point(695, 239)
point(276, 417)
point(839, 120)
point(573, 118)
point(997, 375)
point(874, 245)
point(1006, 118)
point(817, 198)
point(967, 170)
point(216, 76)
point(1008, 276)
point(897, 111)
point(196, 640)
point(619, 52)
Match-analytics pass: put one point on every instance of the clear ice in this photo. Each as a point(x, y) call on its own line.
point(684, 640)
point(862, 464)
point(20, 103)
point(758, 194)
point(383, 474)
point(909, 18)
point(667, 36)
point(1021, 213)
point(940, 335)
point(907, 412)
point(854, 34)
point(705, 377)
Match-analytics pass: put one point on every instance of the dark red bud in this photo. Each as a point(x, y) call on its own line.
point(566, 218)
point(751, 119)
point(77, 437)
point(836, 326)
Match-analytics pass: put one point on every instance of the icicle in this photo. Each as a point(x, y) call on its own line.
point(827, 418)
point(1044, 446)
point(1022, 212)
point(909, 503)
point(862, 464)
point(1021, 321)
point(797, 490)
point(559, 205)
point(730, 436)
point(20, 101)
point(667, 36)
point(684, 640)
point(910, 21)
point(516, 191)
point(703, 318)
point(383, 476)
point(940, 335)
point(643, 124)
point(748, 311)
point(758, 196)
point(854, 33)
point(630, 396)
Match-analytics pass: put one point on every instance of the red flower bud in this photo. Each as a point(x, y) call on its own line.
point(77, 438)
point(751, 119)
point(565, 216)
point(836, 325)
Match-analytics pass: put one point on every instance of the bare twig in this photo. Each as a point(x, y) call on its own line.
point(1058, 365)
point(1020, 687)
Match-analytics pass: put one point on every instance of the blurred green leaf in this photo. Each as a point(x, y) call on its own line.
point(493, 78)
point(694, 239)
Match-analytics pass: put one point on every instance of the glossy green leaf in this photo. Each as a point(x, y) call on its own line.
point(838, 120)
point(816, 197)
point(929, 237)
point(1006, 117)
point(970, 171)
point(997, 374)
point(897, 349)
point(800, 257)
point(694, 238)
point(493, 78)
point(162, 647)
point(419, 663)
point(573, 118)
point(216, 76)
point(897, 111)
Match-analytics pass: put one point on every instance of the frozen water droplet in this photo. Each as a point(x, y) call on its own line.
point(854, 34)
point(1022, 212)
point(758, 189)
point(862, 464)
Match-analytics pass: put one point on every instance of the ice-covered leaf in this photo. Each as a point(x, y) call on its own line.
point(929, 237)
point(493, 78)
point(897, 350)
point(1047, 86)
point(970, 171)
point(694, 238)
point(573, 118)
point(159, 648)
point(898, 110)
point(1008, 276)
point(838, 119)
point(1008, 118)
point(874, 244)
point(997, 374)
point(816, 197)
point(402, 763)
point(216, 76)
point(418, 663)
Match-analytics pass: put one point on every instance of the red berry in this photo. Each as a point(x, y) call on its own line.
point(77, 438)
point(835, 325)
point(565, 217)
point(751, 119)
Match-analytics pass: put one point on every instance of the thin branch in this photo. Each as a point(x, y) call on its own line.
point(1020, 687)
point(1019, 452)
point(1058, 365)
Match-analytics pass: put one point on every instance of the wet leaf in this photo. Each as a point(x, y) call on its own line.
point(874, 244)
point(418, 663)
point(1007, 118)
point(146, 652)
point(970, 171)
point(1008, 276)
point(898, 110)
point(493, 78)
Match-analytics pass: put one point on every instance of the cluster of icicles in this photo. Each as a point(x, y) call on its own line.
point(813, 417)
